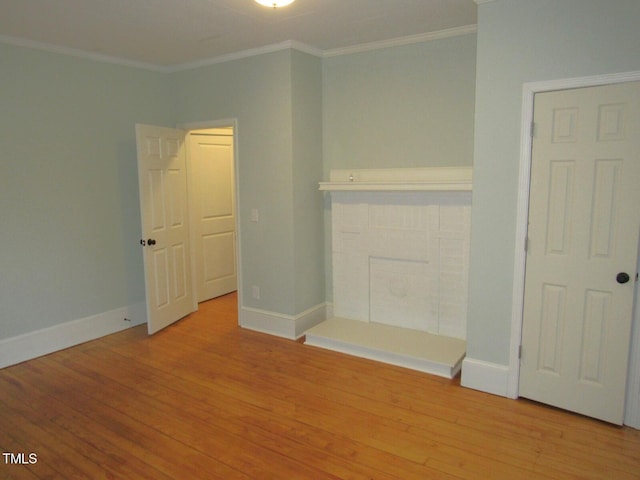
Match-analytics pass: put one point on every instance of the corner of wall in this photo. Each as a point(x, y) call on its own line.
point(280, 325)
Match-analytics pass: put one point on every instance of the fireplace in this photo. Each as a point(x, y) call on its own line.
point(400, 256)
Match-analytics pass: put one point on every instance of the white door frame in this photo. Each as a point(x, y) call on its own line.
point(632, 416)
point(220, 123)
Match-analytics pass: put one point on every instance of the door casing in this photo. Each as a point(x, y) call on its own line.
point(632, 416)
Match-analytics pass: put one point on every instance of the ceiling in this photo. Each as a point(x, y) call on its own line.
point(169, 33)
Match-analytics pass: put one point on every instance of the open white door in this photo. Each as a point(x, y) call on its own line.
point(582, 250)
point(165, 230)
point(213, 212)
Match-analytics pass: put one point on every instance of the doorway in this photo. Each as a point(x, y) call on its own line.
point(167, 192)
point(212, 211)
point(632, 414)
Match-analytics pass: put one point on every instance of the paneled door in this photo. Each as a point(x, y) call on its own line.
point(165, 228)
point(584, 222)
point(213, 213)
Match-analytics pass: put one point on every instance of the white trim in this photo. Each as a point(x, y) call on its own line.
point(252, 52)
point(310, 318)
point(329, 309)
point(632, 407)
point(485, 376)
point(58, 337)
point(521, 235)
point(528, 92)
point(281, 325)
point(205, 124)
point(276, 47)
point(74, 52)
point(400, 179)
point(401, 41)
point(47, 47)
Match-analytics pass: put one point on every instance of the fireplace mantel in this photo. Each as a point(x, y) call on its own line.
point(439, 179)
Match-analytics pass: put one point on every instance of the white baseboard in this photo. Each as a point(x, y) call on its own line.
point(485, 376)
point(58, 337)
point(329, 310)
point(287, 326)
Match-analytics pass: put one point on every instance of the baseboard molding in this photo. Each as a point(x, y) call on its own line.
point(58, 337)
point(330, 310)
point(485, 376)
point(281, 325)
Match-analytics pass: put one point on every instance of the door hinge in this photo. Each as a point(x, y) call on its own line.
point(533, 130)
point(520, 352)
point(526, 244)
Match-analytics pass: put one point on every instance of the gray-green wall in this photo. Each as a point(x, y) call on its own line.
point(68, 180)
point(522, 41)
point(69, 210)
point(306, 94)
point(276, 99)
point(405, 106)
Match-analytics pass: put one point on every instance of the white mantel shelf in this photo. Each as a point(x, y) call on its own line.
point(439, 179)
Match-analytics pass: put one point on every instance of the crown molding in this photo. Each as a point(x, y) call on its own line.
point(276, 47)
point(400, 41)
point(47, 47)
point(74, 52)
point(480, 2)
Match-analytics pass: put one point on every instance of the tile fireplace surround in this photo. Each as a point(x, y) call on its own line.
point(400, 256)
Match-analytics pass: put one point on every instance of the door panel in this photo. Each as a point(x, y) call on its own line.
point(583, 230)
point(607, 179)
point(163, 206)
point(213, 214)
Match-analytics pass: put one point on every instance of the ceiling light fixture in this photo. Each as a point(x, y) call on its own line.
point(275, 3)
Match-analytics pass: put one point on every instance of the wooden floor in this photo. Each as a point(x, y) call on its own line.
point(204, 399)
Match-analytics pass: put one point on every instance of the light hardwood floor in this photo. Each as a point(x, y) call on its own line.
point(204, 399)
